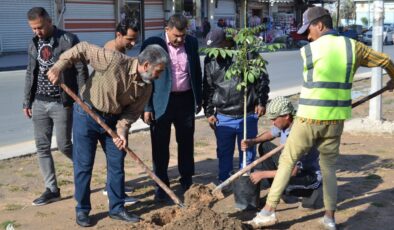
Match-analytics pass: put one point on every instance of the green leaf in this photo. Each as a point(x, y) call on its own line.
point(215, 53)
point(223, 53)
point(239, 87)
point(250, 77)
point(228, 75)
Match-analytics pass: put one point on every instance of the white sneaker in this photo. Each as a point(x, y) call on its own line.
point(328, 223)
point(262, 220)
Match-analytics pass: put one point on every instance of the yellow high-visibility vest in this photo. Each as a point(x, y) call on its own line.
point(329, 67)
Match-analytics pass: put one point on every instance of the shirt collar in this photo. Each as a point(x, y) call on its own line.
point(167, 40)
point(134, 72)
point(331, 32)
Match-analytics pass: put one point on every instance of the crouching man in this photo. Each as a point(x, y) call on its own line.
point(306, 177)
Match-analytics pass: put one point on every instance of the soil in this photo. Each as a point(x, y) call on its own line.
point(365, 186)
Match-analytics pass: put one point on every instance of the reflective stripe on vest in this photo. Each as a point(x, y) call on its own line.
point(329, 66)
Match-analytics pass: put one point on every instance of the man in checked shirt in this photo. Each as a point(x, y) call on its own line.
point(117, 92)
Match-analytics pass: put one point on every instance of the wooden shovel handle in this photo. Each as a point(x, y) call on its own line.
point(127, 149)
point(247, 168)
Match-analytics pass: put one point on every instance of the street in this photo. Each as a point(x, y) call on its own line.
point(284, 68)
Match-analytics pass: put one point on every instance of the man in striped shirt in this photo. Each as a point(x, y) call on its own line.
point(330, 62)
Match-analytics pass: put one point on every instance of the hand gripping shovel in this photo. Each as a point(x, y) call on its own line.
point(127, 149)
point(225, 183)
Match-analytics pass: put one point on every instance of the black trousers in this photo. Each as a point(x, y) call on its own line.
point(298, 184)
point(180, 112)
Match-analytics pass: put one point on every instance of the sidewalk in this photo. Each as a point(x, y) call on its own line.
point(13, 61)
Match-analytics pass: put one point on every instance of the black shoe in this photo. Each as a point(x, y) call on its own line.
point(83, 219)
point(185, 182)
point(47, 197)
point(161, 196)
point(125, 216)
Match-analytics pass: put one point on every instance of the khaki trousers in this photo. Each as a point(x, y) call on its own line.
point(305, 134)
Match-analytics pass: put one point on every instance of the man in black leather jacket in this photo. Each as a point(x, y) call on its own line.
point(223, 105)
point(47, 104)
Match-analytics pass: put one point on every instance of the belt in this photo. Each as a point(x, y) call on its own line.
point(319, 122)
point(48, 98)
point(176, 93)
point(101, 113)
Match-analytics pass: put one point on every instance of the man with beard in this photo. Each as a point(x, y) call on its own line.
point(117, 91)
point(127, 32)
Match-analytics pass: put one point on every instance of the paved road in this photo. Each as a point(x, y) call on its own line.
point(284, 69)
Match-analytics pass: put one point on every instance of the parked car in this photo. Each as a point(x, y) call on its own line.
point(387, 36)
point(352, 31)
point(350, 34)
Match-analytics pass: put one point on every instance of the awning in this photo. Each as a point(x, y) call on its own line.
point(277, 1)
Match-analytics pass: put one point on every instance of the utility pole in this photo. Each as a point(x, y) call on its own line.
point(338, 7)
point(375, 105)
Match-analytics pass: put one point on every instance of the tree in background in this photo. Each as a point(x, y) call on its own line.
point(348, 10)
point(364, 21)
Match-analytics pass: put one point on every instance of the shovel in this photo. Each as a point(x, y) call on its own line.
point(127, 149)
point(372, 95)
point(227, 182)
point(235, 176)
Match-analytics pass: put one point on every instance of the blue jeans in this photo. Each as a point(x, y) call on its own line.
point(86, 133)
point(46, 116)
point(229, 130)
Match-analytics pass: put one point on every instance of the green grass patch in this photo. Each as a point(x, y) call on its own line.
point(12, 223)
point(14, 188)
point(378, 204)
point(388, 165)
point(144, 189)
point(29, 175)
point(13, 207)
point(373, 177)
point(64, 182)
point(41, 214)
point(200, 144)
point(381, 151)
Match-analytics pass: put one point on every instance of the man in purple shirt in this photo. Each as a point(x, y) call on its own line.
point(175, 99)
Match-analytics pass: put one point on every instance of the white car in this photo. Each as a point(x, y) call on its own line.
point(387, 36)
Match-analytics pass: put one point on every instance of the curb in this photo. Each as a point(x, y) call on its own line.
point(12, 68)
point(28, 148)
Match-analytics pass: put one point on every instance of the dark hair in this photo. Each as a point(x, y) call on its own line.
point(178, 21)
point(37, 12)
point(129, 23)
point(326, 20)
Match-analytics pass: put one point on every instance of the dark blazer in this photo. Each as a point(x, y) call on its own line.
point(162, 86)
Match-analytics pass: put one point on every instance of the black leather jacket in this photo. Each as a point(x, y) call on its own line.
point(73, 77)
point(221, 96)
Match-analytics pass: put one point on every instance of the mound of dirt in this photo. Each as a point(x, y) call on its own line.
point(200, 195)
point(196, 216)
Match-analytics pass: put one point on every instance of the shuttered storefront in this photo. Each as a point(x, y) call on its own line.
point(226, 10)
point(15, 33)
point(92, 21)
point(154, 17)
